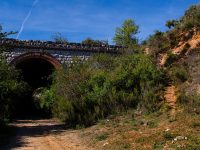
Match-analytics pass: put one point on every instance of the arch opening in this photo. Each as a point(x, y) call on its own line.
point(37, 73)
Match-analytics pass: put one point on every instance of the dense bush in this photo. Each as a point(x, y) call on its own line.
point(171, 58)
point(90, 41)
point(157, 43)
point(191, 18)
point(171, 23)
point(179, 74)
point(11, 87)
point(86, 92)
point(190, 102)
point(180, 30)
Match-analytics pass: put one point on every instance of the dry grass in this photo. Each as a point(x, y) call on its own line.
point(147, 132)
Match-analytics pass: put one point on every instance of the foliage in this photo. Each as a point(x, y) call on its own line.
point(171, 57)
point(102, 137)
point(57, 37)
point(168, 135)
point(11, 87)
point(189, 101)
point(90, 41)
point(39, 102)
point(191, 18)
point(87, 92)
point(126, 35)
point(158, 43)
point(171, 23)
point(5, 34)
point(180, 30)
point(179, 74)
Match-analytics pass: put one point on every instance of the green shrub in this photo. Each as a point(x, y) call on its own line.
point(171, 57)
point(11, 87)
point(140, 140)
point(168, 135)
point(191, 17)
point(158, 43)
point(179, 74)
point(158, 145)
point(193, 143)
point(102, 137)
point(190, 102)
point(84, 93)
point(47, 100)
point(152, 124)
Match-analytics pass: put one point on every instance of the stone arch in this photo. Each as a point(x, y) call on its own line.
point(36, 69)
point(36, 55)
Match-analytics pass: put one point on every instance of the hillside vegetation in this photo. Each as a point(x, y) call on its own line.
point(136, 83)
point(84, 93)
point(127, 95)
point(182, 36)
point(11, 86)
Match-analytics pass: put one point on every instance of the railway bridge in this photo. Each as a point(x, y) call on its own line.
point(38, 59)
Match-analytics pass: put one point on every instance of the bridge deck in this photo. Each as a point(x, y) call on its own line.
point(49, 45)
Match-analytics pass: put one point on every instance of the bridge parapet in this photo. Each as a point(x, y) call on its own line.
point(64, 57)
point(62, 52)
point(64, 46)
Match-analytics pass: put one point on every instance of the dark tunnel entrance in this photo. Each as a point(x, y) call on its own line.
point(37, 72)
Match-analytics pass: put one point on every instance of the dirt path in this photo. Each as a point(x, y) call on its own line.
point(171, 98)
point(45, 135)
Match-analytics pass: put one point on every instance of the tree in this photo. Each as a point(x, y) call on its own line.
point(2, 36)
point(171, 23)
point(5, 34)
point(57, 37)
point(11, 85)
point(90, 41)
point(11, 88)
point(191, 17)
point(126, 35)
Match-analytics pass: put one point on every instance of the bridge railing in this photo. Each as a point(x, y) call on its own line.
point(49, 45)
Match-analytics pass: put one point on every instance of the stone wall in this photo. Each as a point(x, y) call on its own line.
point(64, 57)
point(63, 52)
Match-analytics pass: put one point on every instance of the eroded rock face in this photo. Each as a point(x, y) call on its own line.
point(191, 41)
point(191, 62)
point(187, 41)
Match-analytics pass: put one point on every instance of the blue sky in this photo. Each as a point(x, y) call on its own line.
point(79, 19)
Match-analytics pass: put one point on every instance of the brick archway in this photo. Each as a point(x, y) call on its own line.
point(38, 55)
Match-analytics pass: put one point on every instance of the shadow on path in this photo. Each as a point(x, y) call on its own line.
point(25, 129)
